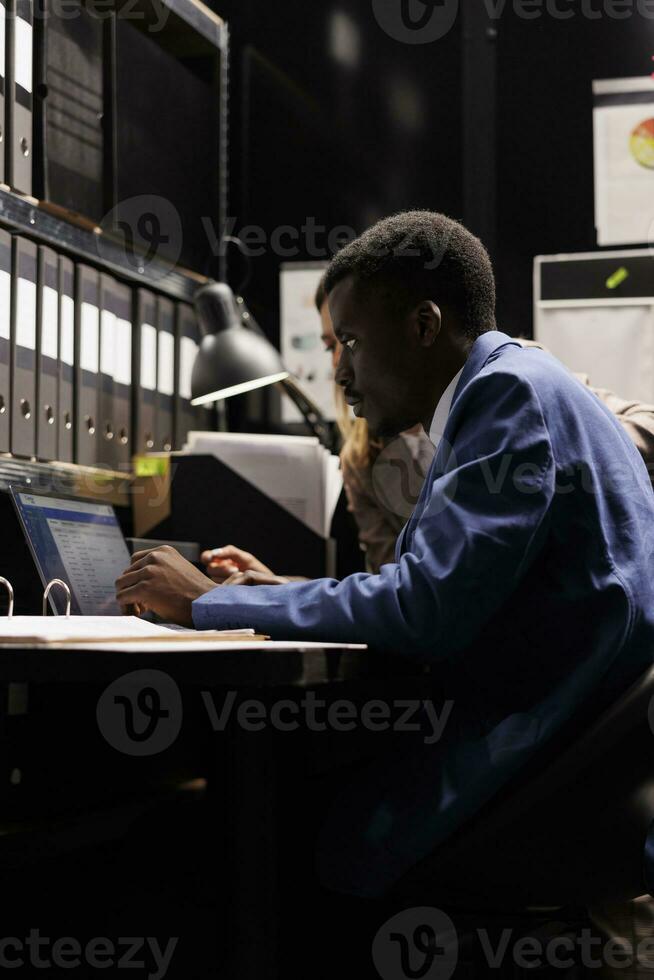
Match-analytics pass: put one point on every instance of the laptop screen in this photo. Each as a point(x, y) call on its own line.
point(79, 542)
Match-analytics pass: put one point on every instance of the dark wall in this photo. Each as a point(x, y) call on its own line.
point(335, 121)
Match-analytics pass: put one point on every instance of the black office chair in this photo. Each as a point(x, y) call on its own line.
point(571, 832)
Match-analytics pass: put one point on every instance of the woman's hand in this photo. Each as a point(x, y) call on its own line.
point(256, 578)
point(224, 563)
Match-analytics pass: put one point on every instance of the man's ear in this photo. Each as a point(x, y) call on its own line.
point(428, 322)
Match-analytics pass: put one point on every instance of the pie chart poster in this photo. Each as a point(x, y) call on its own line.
point(623, 130)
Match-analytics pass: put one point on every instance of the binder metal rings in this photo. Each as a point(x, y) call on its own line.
point(48, 589)
point(10, 591)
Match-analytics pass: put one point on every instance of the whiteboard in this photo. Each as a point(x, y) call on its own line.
point(613, 345)
point(302, 350)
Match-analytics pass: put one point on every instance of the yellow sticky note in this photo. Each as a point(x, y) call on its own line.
point(618, 276)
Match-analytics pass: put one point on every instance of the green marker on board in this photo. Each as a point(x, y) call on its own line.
point(618, 276)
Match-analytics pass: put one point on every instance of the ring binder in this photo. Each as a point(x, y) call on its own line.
point(48, 589)
point(10, 591)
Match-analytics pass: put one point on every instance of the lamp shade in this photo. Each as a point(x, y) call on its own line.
point(233, 357)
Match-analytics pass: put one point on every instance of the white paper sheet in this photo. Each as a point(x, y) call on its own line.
point(295, 471)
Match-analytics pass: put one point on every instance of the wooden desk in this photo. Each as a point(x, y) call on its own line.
point(249, 767)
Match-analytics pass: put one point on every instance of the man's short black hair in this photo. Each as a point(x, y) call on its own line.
point(417, 255)
point(321, 295)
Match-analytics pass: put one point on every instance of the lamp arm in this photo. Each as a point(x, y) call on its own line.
point(308, 410)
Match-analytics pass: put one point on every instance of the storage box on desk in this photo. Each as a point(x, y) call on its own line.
point(199, 498)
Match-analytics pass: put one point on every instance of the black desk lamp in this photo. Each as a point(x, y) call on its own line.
point(235, 357)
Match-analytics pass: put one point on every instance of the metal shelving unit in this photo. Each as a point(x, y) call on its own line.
point(191, 28)
point(29, 218)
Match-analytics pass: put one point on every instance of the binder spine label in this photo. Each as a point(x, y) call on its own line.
point(166, 363)
point(108, 343)
point(3, 35)
point(89, 338)
point(68, 330)
point(148, 357)
point(123, 353)
point(5, 304)
point(187, 353)
point(49, 328)
point(23, 40)
point(26, 314)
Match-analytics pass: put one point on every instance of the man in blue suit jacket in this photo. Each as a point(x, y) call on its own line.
point(524, 576)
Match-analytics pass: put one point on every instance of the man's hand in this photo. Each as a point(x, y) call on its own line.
point(163, 581)
point(223, 563)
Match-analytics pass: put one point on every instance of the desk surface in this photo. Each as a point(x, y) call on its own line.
point(261, 664)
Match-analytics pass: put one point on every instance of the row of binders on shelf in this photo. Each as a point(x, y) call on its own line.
point(92, 370)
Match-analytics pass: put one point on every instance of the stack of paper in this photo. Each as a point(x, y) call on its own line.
point(295, 471)
point(72, 630)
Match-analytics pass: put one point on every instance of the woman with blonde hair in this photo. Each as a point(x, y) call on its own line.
point(381, 479)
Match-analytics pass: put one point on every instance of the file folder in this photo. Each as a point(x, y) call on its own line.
point(122, 298)
point(71, 123)
point(187, 417)
point(87, 363)
point(3, 87)
point(66, 359)
point(145, 362)
point(115, 373)
point(47, 354)
point(165, 374)
point(5, 340)
point(19, 94)
point(23, 347)
point(107, 422)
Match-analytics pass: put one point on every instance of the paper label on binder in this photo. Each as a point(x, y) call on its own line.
point(148, 356)
point(166, 372)
point(123, 352)
point(5, 304)
point(50, 323)
point(89, 338)
point(188, 350)
point(23, 48)
point(67, 330)
point(26, 314)
point(3, 18)
point(107, 342)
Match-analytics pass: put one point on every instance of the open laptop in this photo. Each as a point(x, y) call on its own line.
point(78, 541)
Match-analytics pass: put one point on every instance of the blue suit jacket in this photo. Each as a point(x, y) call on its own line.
point(524, 576)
